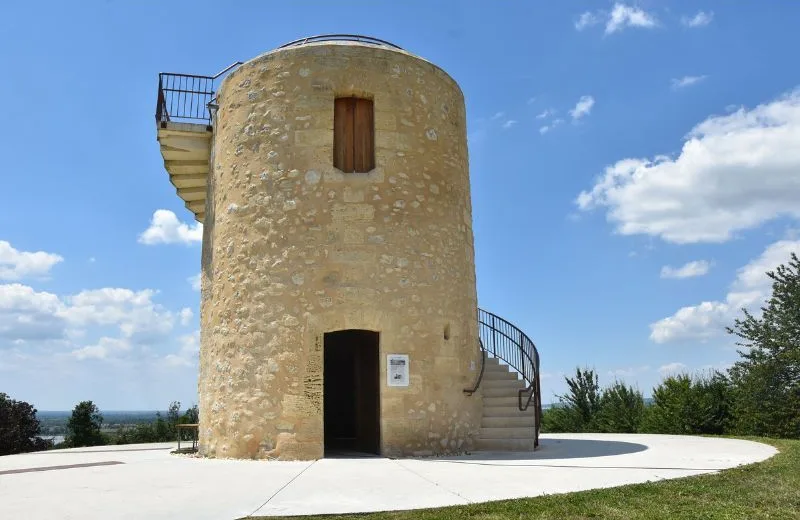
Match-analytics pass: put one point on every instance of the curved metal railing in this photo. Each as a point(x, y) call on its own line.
point(470, 391)
point(186, 97)
point(341, 38)
point(501, 339)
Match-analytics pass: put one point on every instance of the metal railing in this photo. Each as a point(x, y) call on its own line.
point(501, 339)
point(189, 98)
point(185, 98)
point(340, 37)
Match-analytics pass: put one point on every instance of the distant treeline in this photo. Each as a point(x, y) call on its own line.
point(55, 422)
point(23, 429)
point(758, 395)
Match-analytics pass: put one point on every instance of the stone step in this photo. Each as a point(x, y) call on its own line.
point(504, 444)
point(499, 376)
point(505, 400)
point(510, 384)
point(506, 411)
point(498, 370)
point(494, 363)
point(509, 422)
point(501, 391)
point(520, 432)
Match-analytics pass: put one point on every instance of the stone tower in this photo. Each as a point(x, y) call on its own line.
point(338, 304)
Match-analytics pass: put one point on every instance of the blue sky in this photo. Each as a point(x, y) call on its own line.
point(635, 169)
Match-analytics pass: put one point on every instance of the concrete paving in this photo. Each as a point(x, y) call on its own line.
point(146, 481)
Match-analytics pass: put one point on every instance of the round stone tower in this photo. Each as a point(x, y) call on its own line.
point(338, 280)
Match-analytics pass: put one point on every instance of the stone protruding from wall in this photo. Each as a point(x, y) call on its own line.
point(294, 248)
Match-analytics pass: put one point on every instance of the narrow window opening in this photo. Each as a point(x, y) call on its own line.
point(447, 331)
point(353, 135)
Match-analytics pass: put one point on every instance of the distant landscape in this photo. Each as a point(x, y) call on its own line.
point(54, 422)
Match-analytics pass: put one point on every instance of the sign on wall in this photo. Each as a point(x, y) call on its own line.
point(397, 370)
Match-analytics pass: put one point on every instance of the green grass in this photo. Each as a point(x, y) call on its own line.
point(770, 489)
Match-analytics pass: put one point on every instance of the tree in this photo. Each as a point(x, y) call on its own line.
point(577, 409)
point(191, 416)
point(712, 404)
point(767, 377)
point(683, 405)
point(671, 406)
point(83, 427)
point(173, 418)
point(621, 409)
point(19, 427)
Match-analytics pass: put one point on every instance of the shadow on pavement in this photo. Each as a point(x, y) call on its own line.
point(559, 449)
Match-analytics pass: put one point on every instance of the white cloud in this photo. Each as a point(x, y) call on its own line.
point(585, 20)
point(686, 81)
point(582, 108)
point(531, 100)
point(498, 115)
point(672, 368)
point(27, 315)
point(165, 228)
point(16, 265)
point(734, 172)
point(620, 17)
point(709, 319)
point(186, 316)
point(687, 270)
point(104, 348)
point(546, 113)
point(547, 128)
point(630, 371)
point(133, 312)
point(187, 356)
point(623, 16)
point(195, 281)
point(701, 19)
point(508, 124)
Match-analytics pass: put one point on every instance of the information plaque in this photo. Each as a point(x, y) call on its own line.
point(397, 370)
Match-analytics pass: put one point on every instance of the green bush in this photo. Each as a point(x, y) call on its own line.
point(683, 405)
point(575, 410)
point(621, 409)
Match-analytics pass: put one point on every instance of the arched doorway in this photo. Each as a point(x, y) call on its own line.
point(351, 392)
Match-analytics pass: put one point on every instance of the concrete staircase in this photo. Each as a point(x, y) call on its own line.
point(503, 426)
point(186, 149)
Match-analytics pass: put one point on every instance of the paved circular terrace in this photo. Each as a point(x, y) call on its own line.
point(145, 481)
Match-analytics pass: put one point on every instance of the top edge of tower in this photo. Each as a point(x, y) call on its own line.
point(338, 41)
point(342, 38)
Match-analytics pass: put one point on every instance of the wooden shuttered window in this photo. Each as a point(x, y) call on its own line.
point(353, 135)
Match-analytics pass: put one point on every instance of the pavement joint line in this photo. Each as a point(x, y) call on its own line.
point(81, 452)
point(55, 468)
point(282, 488)
point(573, 466)
point(432, 482)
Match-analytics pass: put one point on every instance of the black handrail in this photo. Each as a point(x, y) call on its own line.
point(340, 37)
point(185, 97)
point(470, 391)
point(501, 339)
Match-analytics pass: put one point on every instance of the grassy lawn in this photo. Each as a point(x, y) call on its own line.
point(770, 489)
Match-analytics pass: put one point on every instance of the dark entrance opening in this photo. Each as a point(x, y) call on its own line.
point(351, 390)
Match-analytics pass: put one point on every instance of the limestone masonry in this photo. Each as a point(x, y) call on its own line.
point(294, 248)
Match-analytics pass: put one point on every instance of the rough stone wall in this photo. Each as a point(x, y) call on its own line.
point(294, 248)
